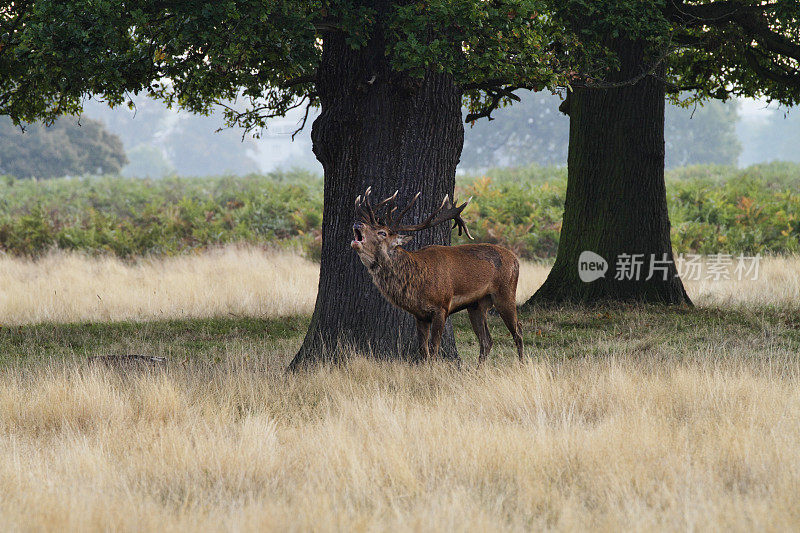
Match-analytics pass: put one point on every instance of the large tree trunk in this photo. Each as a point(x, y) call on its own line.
point(616, 198)
point(387, 130)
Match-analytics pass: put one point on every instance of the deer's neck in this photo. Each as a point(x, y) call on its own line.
point(398, 278)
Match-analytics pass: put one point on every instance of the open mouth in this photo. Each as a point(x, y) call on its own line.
point(359, 237)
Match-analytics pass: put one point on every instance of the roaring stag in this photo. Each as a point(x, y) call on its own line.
point(436, 281)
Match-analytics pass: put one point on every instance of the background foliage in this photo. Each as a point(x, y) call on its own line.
point(772, 135)
point(714, 209)
point(131, 217)
point(68, 147)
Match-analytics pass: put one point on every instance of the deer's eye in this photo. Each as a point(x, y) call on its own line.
point(382, 233)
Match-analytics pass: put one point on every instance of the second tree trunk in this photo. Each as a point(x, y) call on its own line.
point(616, 204)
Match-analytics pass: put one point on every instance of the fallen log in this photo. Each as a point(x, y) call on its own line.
point(128, 360)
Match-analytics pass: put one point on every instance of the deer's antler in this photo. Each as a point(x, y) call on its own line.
point(366, 212)
point(406, 209)
point(446, 211)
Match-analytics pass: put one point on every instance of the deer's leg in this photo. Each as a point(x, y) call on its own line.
point(477, 317)
point(424, 332)
point(437, 328)
point(507, 309)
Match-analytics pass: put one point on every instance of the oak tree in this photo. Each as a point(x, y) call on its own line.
point(634, 54)
point(390, 77)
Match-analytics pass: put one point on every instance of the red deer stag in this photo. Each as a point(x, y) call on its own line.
point(436, 281)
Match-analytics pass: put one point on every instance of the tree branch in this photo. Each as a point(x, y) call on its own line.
point(630, 81)
point(714, 13)
point(747, 16)
point(774, 42)
point(326, 26)
point(237, 117)
point(484, 85)
point(497, 94)
point(486, 111)
point(305, 116)
point(777, 73)
point(300, 80)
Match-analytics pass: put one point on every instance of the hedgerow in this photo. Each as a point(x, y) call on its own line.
point(713, 210)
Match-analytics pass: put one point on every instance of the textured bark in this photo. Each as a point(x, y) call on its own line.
point(616, 198)
point(387, 130)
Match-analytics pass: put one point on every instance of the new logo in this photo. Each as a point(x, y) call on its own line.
point(591, 266)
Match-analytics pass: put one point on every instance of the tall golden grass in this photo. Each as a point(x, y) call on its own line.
point(73, 287)
point(703, 435)
point(249, 281)
point(620, 443)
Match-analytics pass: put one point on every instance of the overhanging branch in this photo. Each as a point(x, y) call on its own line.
point(300, 80)
point(311, 102)
point(748, 17)
point(714, 13)
point(497, 94)
point(597, 84)
point(774, 72)
point(774, 42)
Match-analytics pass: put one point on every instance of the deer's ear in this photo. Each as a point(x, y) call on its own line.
point(400, 240)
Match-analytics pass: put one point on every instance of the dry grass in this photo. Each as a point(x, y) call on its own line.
point(238, 281)
point(633, 419)
point(609, 444)
point(778, 284)
point(247, 281)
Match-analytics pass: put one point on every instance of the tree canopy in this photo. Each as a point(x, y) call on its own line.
point(704, 48)
point(734, 47)
point(264, 55)
point(714, 48)
point(53, 54)
point(261, 55)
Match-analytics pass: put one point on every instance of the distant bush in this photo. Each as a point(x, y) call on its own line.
point(522, 216)
point(131, 217)
point(67, 147)
point(713, 209)
point(775, 175)
point(749, 212)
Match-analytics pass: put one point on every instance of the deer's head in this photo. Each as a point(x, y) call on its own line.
point(377, 236)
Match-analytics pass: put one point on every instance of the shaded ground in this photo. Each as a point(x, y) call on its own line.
point(563, 333)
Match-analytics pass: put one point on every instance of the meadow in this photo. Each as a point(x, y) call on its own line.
point(246, 281)
point(623, 417)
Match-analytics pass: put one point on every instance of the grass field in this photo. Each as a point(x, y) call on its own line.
point(624, 417)
point(249, 281)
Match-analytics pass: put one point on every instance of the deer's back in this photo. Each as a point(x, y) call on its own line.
point(468, 271)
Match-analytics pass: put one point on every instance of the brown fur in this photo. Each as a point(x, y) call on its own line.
point(436, 281)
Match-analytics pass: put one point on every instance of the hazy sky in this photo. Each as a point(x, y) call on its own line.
point(275, 149)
